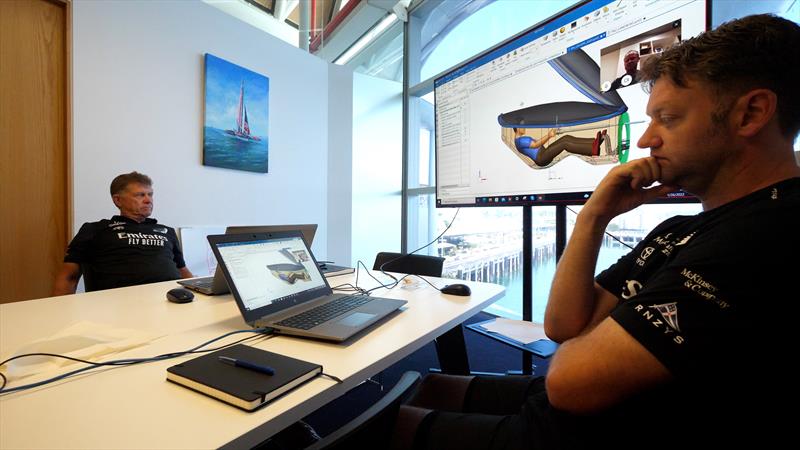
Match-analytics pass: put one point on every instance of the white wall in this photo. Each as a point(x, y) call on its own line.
point(138, 105)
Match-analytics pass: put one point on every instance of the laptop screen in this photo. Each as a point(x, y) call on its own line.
point(268, 271)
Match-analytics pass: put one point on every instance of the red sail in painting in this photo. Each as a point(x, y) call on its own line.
point(242, 130)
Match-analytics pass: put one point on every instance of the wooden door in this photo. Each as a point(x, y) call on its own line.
point(34, 153)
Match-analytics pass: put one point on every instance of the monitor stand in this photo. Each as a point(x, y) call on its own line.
point(527, 265)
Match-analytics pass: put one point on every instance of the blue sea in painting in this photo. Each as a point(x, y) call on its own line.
point(230, 152)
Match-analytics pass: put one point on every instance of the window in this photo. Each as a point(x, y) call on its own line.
point(482, 243)
point(627, 230)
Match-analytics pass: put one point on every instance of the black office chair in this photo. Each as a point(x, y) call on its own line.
point(451, 349)
point(414, 264)
point(373, 427)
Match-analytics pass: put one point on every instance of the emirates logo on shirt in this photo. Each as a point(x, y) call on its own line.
point(152, 240)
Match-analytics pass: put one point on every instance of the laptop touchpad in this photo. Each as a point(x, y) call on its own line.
point(356, 319)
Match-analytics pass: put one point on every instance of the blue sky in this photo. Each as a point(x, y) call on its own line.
point(223, 80)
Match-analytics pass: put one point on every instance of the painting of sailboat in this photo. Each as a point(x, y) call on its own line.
point(242, 130)
point(235, 132)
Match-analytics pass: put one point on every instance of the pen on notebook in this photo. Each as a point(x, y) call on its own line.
point(247, 365)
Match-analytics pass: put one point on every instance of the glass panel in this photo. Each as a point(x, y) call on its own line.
point(265, 5)
point(424, 172)
point(485, 244)
point(489, 25)
point(725, 10)
point(421, 142)
point(422, 223)
point(630, 228)
point(383, 57)
point(543, 222)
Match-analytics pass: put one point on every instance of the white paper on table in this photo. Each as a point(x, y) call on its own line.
point(518, 330)
point(84, 340)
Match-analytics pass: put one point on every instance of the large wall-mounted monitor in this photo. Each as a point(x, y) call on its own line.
point(542, 117)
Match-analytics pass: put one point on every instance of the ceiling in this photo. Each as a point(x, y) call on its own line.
point(288, 11)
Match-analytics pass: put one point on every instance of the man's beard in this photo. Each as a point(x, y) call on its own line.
point(695, 179)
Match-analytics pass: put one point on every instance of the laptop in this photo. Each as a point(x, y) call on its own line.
point(277, 283)
point(216, 285)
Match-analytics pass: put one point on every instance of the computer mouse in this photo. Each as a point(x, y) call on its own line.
point(180, 295)
point(456, 289)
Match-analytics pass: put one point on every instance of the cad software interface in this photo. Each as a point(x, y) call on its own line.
point(553, 110)
point(267, 271)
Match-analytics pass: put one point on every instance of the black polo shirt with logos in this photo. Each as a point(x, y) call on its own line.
point(122, 252)
point(711, 296)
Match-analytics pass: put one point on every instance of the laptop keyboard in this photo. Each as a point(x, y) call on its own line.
point(202, 282)
point(325, 312)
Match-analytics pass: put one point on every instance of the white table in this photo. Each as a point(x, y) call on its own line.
point(135, 407)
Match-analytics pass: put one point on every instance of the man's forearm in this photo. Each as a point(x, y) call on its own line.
point(65, 286)
point(66, 281)
point(185, 272)
point(573, 297)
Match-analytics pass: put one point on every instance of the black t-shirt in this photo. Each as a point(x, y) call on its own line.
point(712, 297)
point(121, 252)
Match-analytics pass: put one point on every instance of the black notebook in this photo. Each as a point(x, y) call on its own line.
point(246, 388)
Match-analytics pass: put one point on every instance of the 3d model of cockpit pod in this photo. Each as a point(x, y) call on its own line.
point(289, 272)
point(607, 112)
